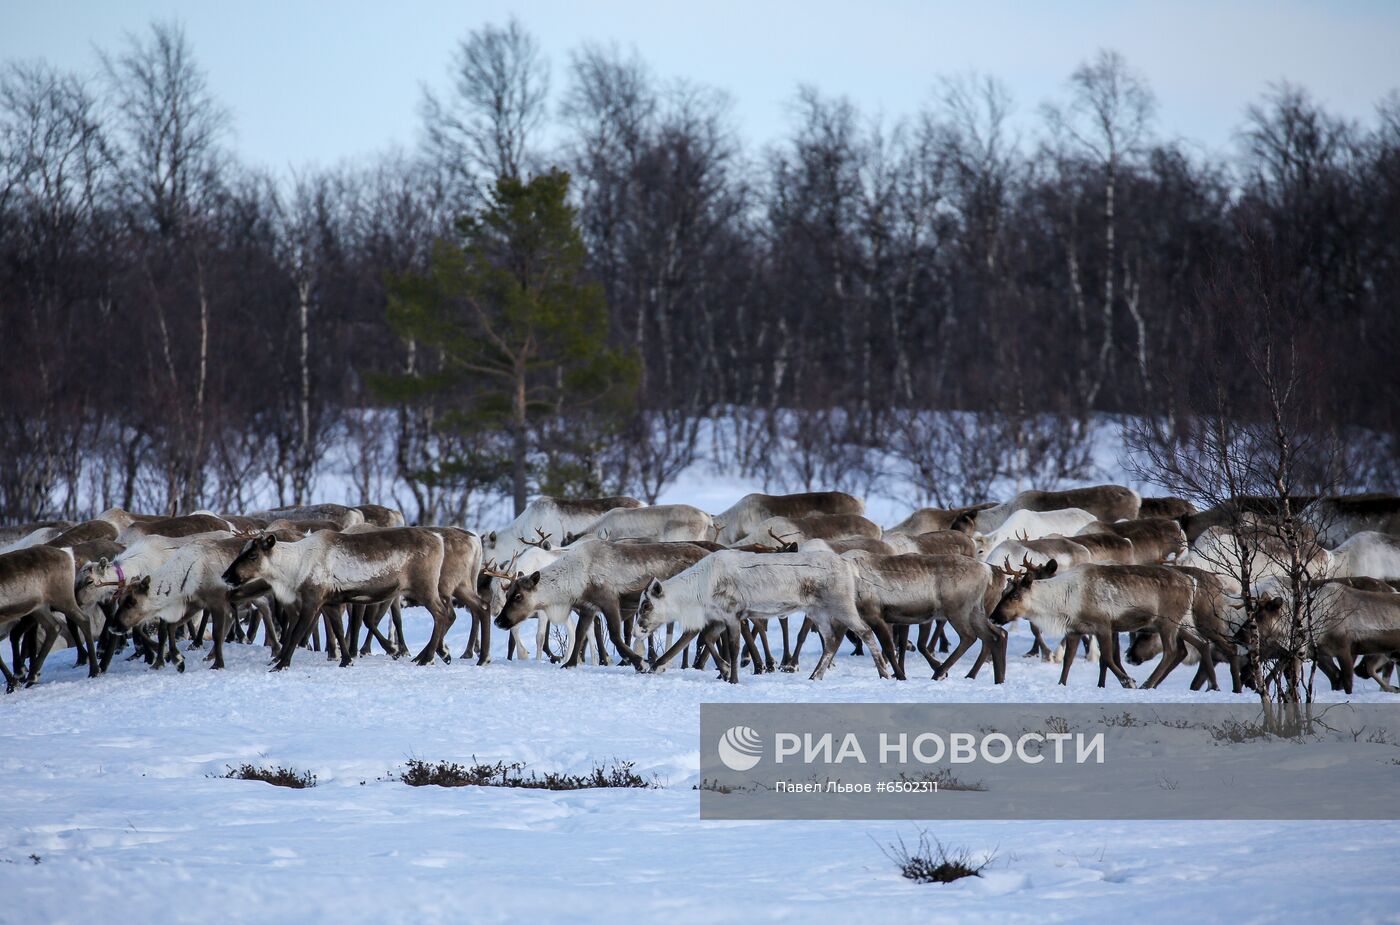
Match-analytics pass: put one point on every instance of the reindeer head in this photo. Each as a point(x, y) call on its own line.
point(1262, 622)
point(653, 607)
point(1016, 599)
point(520, 601)
point(252, 561)
point(1145, 646)
point(134, 604)
point(93, 579)
point(966, 522)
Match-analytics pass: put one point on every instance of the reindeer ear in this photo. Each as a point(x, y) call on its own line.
point(547, 545)
point(1050, 568)
point(269, 540)
point(568, 539)
point(491, 537)
point(654, 589)
point(529, 582)
point(144, 585)
point(1274, 605)
point(102, 562)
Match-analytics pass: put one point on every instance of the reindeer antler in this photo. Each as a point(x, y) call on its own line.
point(782, 540)
point(1022, 535)
point(506, 576)
point(541, 543)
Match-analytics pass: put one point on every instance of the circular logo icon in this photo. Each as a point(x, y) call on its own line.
point(740, 748)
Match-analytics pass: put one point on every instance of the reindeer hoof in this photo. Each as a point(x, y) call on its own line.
point(180, 666)
point(482, 662)
point(346, 662)
point(10, 687)
point(1130, 683)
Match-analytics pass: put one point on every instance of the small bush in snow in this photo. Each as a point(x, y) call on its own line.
point(451, 774)
point(945, 780)
point(933, 862)
point(278, 777)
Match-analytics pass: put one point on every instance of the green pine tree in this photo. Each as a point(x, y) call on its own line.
point(522, 334)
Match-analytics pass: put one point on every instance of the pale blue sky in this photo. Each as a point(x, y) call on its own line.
point(317, 82)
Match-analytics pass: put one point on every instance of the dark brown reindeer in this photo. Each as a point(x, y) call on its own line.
point(1210, 613)
point(913, 589)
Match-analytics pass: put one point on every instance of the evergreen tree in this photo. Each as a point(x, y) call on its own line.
point(521, 334)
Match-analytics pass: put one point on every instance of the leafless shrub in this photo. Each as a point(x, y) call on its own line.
point(930, 861)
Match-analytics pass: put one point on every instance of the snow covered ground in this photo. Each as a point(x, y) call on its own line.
point(111, 805)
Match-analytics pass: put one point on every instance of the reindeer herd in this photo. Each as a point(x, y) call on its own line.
point(1087, 565)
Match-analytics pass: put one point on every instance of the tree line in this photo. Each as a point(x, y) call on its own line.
point(180, 329)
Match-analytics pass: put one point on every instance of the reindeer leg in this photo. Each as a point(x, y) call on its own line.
point(1109, 649)
point(681, 645)
point(880, 642)
point(984, 654)
point(783, 622)
point(1170, 659)
point(176, 658)
point(702, 652)
point(84, 626)
point(1347, 660)
point(585, 623)
point(598, 629)
point(965, 641)
point(36, 664)
point(481, 622)
point(301, 620)
point(831, 641)
point(750, 646)
point(807, 626)
point(78, 643)
point(733, 636)
point(879, 651)
point(1003, 642)
point(197, 636)
point(442, 619)
point(1071, 649)
point(1038, 647)
point(940, 635)
point(373, 617)
point(352, 633)
point(144, 648)
point(11, 682)
point(760, 630)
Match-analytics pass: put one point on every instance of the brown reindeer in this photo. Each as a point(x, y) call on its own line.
point(348, 568)
point(37, 579)
point(1102, 601)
